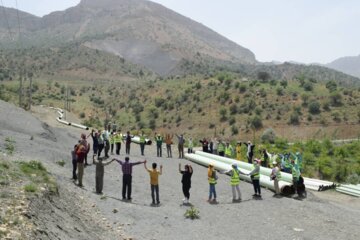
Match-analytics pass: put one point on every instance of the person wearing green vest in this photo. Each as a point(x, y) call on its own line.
point(221, 148)
point(255, 178)
point(159, 140)
point(142, 143)
point(298, 160)
point(235, 182)
point(276, 176)
point(112, 141)
point(212, 182)
point(295, 176)
point(190, 145)
point(117, 141)
point(228, 150)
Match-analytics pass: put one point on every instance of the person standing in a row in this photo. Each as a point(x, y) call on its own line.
point(142, 143)
point(127, 143)
point(159, 140)
point(154, 182)
point(126, 168)
point(168, 141)
point(250, 151)
point(186, 181)
point(255, 178)
point(181, 142)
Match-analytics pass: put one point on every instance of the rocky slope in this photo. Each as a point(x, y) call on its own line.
point(348, 65)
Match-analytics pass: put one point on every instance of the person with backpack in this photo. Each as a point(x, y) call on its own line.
point(81, 151)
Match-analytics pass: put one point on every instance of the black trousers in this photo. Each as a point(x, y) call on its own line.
point(256, 184)
point(127, 148)
point(186, 190)
point(142, 148)
point(107, 148)
point(250, 157)
point(74, 163)
point(118, 147)
point(222, 154)
point(158, 150)
point(101, 147)
point(155, 191)
point(126, 189)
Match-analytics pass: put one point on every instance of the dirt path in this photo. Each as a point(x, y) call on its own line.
point(271, 218)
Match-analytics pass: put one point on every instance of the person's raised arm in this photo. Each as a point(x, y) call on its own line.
point(107, 163)
point(190, 168)
point(119, 161)
point(145, 166)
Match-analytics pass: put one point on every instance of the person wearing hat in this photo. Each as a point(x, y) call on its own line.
point(235, 182)
point(250, 151)
point(276, 176)
point(212, 182)
point(255, 178)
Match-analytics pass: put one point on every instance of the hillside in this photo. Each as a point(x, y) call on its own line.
point(348, 65)
point(140, 31)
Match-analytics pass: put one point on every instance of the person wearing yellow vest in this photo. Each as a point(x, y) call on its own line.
point(221, 148)
point(228, 150)
point(235, 182)
point(142, 143)
point(111, 140)
point(190, 145)
point(276, 176)
point(212, 182)
point(238, 151)
point(117, 141)
point(255, 178)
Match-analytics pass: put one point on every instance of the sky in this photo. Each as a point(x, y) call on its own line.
point(307, 31)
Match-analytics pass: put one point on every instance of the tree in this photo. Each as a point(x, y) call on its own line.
point(256, 122)
point(268, 136)
point(223, 114)
point(284, 83)
point(308, 86)
point(314, 107)
point(336, 98)
point(263, 76)
point(294, 118)
point(305, 98)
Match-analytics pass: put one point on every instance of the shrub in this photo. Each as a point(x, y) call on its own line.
point(268, 136)
point(294, 118)
point(9, 145)
point(308, 86)
point(336, 98)
point(242, 88)
point(30, 188)
point(256, 122)
point(232, 120)
point(82, 115)
point(279, 91)
point(192, 213)
point(314, 107)
point(61, 163)
point(233, 109)
point(234, 130)
point(263, 76)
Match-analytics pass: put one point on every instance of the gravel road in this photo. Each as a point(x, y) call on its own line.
point(316, 217)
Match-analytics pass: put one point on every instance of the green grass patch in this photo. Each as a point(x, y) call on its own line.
point(61, 163)
point(192, 213)
point(30, 188)
point(10, 145)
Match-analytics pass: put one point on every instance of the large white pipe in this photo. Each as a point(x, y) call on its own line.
point(352, 187)
point(345, 191)
point(264, 180)
point(136, 139)
point(63, 122)
point(80, 126)
point(313, 184)
point(264, 171)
